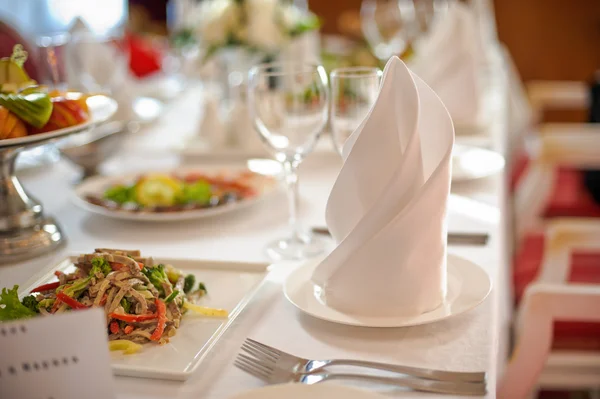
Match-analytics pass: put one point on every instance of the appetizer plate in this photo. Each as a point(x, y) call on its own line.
point(299, 391)
point(469, 163)
point(230, 286)
point(101, 109)
point(264, 185)
point(468, 286)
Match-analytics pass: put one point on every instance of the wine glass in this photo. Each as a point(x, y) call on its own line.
point(427, 13)
point(353, 92)
point(51, 54)
point(389, 26)
point(288, 104)
point(83, 56)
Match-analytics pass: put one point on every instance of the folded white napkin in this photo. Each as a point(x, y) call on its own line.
point(387, 208)
point(94, 65)
point(449, 60)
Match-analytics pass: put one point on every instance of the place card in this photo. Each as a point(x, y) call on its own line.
point(56, 357)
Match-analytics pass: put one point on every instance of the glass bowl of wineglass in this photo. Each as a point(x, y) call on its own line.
point(289, 108)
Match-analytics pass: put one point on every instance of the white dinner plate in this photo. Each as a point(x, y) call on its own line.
point(468, 286)
point(101, 109)
point(230, 286)
point(299, 391)
point(264, 185)
point(469, 163)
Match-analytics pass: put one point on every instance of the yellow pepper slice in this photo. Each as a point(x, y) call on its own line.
point(127, 347)
point(204, 311)
point(157, 190)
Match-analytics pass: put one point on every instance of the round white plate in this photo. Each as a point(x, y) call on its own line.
point(470, 163)
point(264, 186)
point(101, 109)
point(299, 391)
point(468, 286)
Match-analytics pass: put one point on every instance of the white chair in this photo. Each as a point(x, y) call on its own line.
point(559, 145)
point(552, 298)
point(546, 94)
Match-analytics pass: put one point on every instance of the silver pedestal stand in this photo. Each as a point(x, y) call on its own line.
point(25, 232)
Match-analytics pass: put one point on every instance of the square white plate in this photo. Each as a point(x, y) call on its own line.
point(230, 286)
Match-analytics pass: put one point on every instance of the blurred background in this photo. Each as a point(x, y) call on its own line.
point(179, 68)
point(548, 39)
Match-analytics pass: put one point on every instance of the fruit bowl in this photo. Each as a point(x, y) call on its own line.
point(24, 230)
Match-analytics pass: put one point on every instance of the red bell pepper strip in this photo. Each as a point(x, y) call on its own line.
point(128, 329)
point(132, 318)
point(114, 327)
point(67, 300)
point(117, 266)
point(56, 305)
point(161, 309)
point(46, 287)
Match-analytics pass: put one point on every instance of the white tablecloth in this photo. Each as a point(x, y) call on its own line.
point(473, 341)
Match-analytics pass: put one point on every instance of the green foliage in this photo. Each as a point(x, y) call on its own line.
point(120, 194)
point(157, 277)
point(198, 193)
point(126, 305)
point(202, 287)
point(10, 306)
point(100, 265)
point(172, 296)
point(77, 288)
point(31, 303)
point(188, 283)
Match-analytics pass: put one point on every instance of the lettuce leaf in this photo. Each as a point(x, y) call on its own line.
point(10, 306)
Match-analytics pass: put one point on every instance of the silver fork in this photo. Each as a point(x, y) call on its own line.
point(294, 364)
point(271, 375)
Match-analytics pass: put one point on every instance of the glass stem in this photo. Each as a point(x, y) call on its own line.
point(290, 168)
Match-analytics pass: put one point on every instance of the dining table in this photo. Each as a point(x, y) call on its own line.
point(474, 341)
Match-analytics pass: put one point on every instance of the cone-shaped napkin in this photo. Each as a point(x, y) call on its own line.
point(449, 59)
point(94, 65)
point(387, 208)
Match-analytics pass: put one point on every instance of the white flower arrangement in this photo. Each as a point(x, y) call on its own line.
point(264, 26)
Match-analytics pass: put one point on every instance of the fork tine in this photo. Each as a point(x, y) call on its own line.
point(256, 363)
point(257, 368)
point(257, 352)
point(275, 351)
point(248, 369)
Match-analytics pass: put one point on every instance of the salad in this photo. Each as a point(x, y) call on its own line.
point(143, 302)
point(165, 192)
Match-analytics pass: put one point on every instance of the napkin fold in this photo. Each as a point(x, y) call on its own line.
point(97, 65)
point(387, 208)
point(449, 59)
